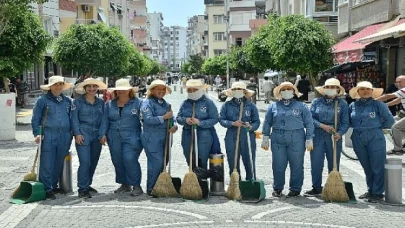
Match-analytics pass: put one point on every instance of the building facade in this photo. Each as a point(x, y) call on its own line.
point(156, 36)
point(175, 47)
point(196, 40)
point(217, 27)
point(139, 26)
point(240, 13)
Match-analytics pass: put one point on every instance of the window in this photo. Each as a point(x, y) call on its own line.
point(219, 36)
point(219, 52)
point(218, 19)
point(324, 5)
point(238, 42)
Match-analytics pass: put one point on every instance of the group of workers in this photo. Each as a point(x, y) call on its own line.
point(129, 125)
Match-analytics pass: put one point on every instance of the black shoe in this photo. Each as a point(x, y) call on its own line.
point(84, 194)
point(293, 194)
point(365, 196)
point(149, 193)
point(58, 191)
point(123, 188)
point(50, 195)
point(395, 152)
point(313, 192)
point(91, 189)
point(375, 199)
point(277, 193)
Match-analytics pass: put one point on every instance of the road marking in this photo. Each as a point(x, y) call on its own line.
point(173, 224)
point(133, 207)
point(15, 214)
point(228, 221)
point(23, 114)
point(7, 169)
point(4, 158)
point(262, 214)
point(298, 223)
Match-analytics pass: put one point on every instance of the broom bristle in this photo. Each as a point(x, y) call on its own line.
point(164, 186)
point(233, 191)
point(190, 189)
point(31, 176)
point(334, 190)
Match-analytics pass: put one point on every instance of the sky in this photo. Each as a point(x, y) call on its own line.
point(176, 12)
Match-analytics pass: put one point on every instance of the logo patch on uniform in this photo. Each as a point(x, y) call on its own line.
point(73, 107)
point(203, 108)
point(338, 109)
point(134, 111)
point(296, 112)
point(160, 101)
point(145, 109)
point(372, 114)
point(247, 112)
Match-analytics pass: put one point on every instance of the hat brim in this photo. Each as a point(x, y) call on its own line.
point(248, 92)
point(135, 89)
point(321, 90)
point(198, 87)
point(80, 87)
point(66, 86)
point(277, 94)
point(168, 89)
point(353, 92)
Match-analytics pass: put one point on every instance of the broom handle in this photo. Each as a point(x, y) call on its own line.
point(333, 138)
point(191, 144)
point(38, 154)
point(167, 140)
point(237, 138)
point(170, 151)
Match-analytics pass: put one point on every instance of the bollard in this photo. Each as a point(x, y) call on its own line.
point(181, 90)
point(65, 181)
point(393, 181)
point(217, 188)
point(212, 88)
point(174, 88)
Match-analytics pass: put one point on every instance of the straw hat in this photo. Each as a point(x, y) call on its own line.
point(365, 84)
point(56, 79)
point(276, 90)
point(331, 82)
point(89, 81)
point(123, 84)
point(158, 82)
point(239, 85)
point(196, 83)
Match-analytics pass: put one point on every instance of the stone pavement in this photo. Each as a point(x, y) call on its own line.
point(107, 209)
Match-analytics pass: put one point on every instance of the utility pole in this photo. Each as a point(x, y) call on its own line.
point(227, 43)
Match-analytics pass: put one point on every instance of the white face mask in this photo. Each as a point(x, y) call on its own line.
point(196, 95)
point(287, 94)
point(330, 92)
point(238, 93)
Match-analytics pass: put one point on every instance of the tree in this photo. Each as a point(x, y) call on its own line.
point(163, 68)
point(93, 49)
point(185, 68)
point(215, 65)
point(239, 60)
point(134, 62)
point(155, 68)
point(196, 62)
point(145, 66)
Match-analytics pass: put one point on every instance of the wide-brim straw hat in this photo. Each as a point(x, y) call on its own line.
point(239, 85)
point(90, 81)
point(365, 84)
point(158, 82)
point(196, 83)
point(56, 79)
point(276, 90)
point(123, 84)
point(331, 82)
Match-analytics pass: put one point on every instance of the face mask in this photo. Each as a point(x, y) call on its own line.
point(330, 92)
point(196, 95)
point(238, 93)
point(287, 94)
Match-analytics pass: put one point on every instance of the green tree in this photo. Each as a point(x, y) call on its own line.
point(134, 62)
point(145, 66)
point(196, 62)
point(94, 49)
point(155, 68)
point(185, 68)
point(163, 68)
point(215, 65)
point(239, 61)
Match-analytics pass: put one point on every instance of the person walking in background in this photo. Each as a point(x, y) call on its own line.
point(368, 117)
point(252, 86)
point(87, 113)
point(304, 86)
point(392, 88)
point(22, 90)
point(267, 89)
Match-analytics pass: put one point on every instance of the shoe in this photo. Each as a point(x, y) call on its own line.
point(293, 194)
point(84, 194)
point(375, 199)
point(149, 193)
point(58, 191)
point(91, 189)
point(136, 191)
point(313, 192)
point(123, 188)
point(277, 193)
point(365, 196)
point(395, 152)
point(50, 195)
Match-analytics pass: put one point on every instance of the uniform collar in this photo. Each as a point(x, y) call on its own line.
point(329, 100)
point(365, 101)
point(54, 98)
point(158, 101)
point(83, 98)
point(238, 100)
point(286, 102)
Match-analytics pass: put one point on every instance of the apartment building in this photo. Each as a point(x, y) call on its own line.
point(240, 13)
point(156, 35)
point(139, 26)
point(216, 19)
point(197, 43)
point(92, 11)
point(175, 47)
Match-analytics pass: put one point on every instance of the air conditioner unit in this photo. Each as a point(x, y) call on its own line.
point(120, 16)
point(86, 8)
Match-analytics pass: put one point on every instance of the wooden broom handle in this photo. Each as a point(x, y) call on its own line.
point(43, 127)
point(167, 139)
point(334, 141)
point(192, 142)
point(237, 138)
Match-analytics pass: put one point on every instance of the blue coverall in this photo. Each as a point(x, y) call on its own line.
point(323, 111)
point(123, 136)
point(154, 136)
point(86, 121)
point(288, 118)
point(230, 113)
point(206, 111)
point(57, 136)
point(368, 118)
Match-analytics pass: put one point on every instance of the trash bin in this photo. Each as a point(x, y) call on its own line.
point(393, 181)
point(217, 187)
point(65, 181)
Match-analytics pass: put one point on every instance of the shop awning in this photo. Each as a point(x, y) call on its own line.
point(396, 31)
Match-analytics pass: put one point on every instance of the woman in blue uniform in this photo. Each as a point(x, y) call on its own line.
point(87, 113)
point(206, 116)
point(368, 117)
point(292, 131)
point(323, 114)
point(57, 131)
point(229, 118)
point(121, 128)
point(155, 114)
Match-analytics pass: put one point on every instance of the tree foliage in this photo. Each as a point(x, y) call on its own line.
point(239, 60)
point(94, 49)
point(163, 68)
point(145, 66)
point(196, 62)
point(215, 65)
point(155, 68)
point(185, 68)
point(134, 62)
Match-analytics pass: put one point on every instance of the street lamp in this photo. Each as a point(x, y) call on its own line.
point(227, 43)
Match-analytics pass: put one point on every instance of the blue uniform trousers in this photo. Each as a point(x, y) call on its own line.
point(154, 142)
point(204, 137)
point(89, 154)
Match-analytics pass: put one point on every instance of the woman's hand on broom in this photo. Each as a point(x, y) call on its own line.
point(238, 123)
point(103, 140)
point(38, 138)
point(173, 129)
point(336, 136)
point(79, 139)
point(309, 144)
point(265, 143)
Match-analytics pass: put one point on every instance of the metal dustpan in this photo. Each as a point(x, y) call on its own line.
point(252, 191)
point(29, 191)
point(350, 192)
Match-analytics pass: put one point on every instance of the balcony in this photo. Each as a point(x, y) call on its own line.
point(139, 19)
point(88, 2)
point(256, 23)
point(87, 21)
point(236, 5)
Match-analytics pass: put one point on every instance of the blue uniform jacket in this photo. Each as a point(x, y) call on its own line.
point(369, 114)
point(323, 111)
point(293, 116)
point(58, 119)
point(152, 112)
point(205, 111)
point(230, 113)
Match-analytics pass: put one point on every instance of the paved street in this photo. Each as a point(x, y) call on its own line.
point(107, 209)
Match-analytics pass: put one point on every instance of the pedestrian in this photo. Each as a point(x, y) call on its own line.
point(121, 128)
point(218, 81)
point(304, 86)
point(229, 118)
point(87, 113)
point(53, 109)
point(22, 89)
point(323, 114)
point(205, 118)
point(155, 114)
point(267, 88)
point(253, 87)
point(292, 129)
point(368, 117)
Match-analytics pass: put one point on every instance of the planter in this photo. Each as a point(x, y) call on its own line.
point(7, 116)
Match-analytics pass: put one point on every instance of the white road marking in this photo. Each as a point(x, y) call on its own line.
point(228, 221)
point(7, 169)
point(4, 158)
point(174, 224)
point(15, 214)
point(134, 207)
point(298, 223)
point(262, 214)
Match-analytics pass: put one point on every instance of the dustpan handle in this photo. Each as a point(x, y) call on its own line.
point(170, 149)
point(39, 151)
point(333, 138)
point(250, 154)
point(195, 144)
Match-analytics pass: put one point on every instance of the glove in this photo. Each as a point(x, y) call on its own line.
point(309, 145)
point(265, 143)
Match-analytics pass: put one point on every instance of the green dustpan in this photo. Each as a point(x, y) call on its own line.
point(29, 191)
